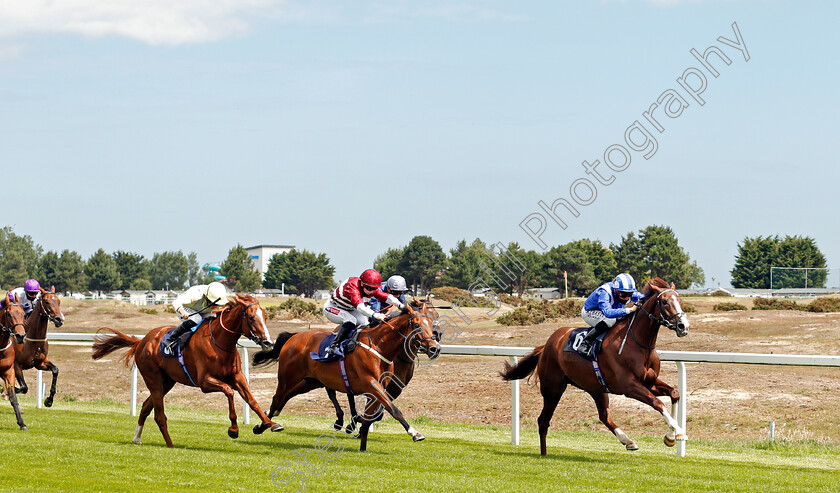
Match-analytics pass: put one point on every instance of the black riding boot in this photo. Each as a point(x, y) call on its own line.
point(345, 330)
point(176, 334)
point(589, 340)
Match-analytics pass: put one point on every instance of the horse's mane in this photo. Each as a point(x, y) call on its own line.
point(656, 281)
point(243, 298)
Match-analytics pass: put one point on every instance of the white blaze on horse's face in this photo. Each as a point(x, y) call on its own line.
point(681, 319)
point(259, 328)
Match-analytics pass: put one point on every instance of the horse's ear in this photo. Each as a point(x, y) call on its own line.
point(17, 299)
point(52, 288)
point(673, 286)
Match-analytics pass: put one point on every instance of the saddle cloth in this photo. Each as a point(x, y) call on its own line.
point(322, 355)
point(573, 343)
point(182, 341)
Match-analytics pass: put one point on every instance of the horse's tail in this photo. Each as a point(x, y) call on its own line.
point(265, 357)
point(106, 345)
point(524, 367)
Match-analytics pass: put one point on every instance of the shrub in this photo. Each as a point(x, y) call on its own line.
point(776, 304)
point(824, 304)
point(294, 308)
point(452, 294)
point(513, 300)
point(728, 307)
point(719, 292)
point(149, 311)
point(688, 307)
point(535, 312)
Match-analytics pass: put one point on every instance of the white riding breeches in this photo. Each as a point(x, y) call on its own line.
point(592, 317)
point(339, 315)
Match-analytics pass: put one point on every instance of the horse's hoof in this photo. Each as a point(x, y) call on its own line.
point(233, 434)
point(24, 428)
point(418, 437)
point(682, 437)
point(669, 441)
point(632, 446)
point(337, 426)
point(277, 427)
point(137, 441)
point(48, 401)
point(258, 429)
point(349, 429)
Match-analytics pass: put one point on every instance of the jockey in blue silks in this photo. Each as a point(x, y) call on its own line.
point(395, 286)
point(606, 305)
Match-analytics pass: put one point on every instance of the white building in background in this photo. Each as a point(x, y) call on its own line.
point(261, 254)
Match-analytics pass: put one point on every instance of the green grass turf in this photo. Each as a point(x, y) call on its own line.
point(78, 446)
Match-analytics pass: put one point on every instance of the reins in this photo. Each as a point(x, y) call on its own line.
point(222, 324)
point(658, 320)
point(407, 338)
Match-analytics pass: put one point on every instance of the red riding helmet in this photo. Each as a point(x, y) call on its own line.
point(371, 277)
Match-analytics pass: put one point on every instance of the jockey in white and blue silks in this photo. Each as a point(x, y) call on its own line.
point(395, 286)
point(606, 305)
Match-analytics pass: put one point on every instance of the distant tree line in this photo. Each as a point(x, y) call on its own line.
point(21, 258)
point(651, 252)
point(757, 255)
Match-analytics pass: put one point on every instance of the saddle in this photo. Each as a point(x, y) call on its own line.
point(572, 344)
point(182, 341)
point(340, 353)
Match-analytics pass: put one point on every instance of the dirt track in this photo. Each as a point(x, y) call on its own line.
point(724, 401)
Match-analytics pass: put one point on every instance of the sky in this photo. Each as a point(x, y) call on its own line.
point(350, 127)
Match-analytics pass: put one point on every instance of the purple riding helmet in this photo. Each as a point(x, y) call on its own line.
point(32, 286)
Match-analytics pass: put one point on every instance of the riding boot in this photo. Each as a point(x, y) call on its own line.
point(345, 330)
point(589, 340)
point(176, 334)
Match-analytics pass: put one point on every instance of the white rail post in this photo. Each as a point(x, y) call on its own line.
point(246, 369)
point(514, 407)
point(39, 390)
point(134, 389)
point(681, 409)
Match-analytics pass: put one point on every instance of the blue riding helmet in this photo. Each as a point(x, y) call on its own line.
point(624, 283)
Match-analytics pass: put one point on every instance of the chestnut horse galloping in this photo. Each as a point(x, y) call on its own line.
point(298, 373)
point(210, 357)
point(628, 361)
point(32, 352)
point(402, 370)
point(11, 325)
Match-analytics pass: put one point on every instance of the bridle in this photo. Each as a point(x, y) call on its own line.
point(250, 335)
point(660, 319)
point(5, 327)
point(657, 319)
point(415, 329)
point(42, 311)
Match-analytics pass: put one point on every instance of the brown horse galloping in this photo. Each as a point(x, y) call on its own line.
point(11, 325)
point(298, 373)
point(628, 361)
point(32, 353)
point(210, 357)
point(402, 370)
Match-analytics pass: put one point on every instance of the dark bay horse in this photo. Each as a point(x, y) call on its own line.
point(401, 370)
point(11, 326)
point(298, 373)
point(628, 361)
point(32, 352)
point(210, 357)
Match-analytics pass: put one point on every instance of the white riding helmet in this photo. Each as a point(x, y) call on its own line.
point(397, 283)
point(216, 293)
